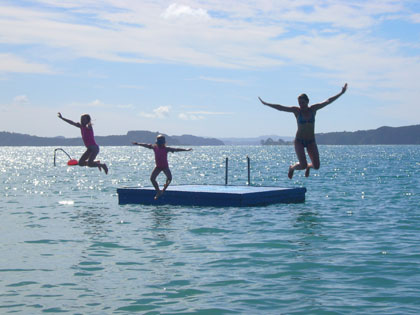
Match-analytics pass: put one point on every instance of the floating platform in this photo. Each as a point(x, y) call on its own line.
point(212, 195)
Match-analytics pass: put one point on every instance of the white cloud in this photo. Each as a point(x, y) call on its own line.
point(415, 18)
point(13, 63)
point(17, 104)
point(96, 103)
point(20, 100)
point(189, 116)
point(160, 112)
point(241, 35)
point(200, 115)
point(332, 38)
point(179, 11)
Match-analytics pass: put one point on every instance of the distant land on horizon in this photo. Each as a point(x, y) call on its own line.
point(253, 141)
point(382, 135)
point(17, 139)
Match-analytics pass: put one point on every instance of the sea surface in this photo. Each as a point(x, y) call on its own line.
point(353, 247)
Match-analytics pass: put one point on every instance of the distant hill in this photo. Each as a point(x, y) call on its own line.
point(270, 141)
point(253, 141)
point(17, 139)
point(383, 135)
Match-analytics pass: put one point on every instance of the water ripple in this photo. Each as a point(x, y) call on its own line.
point(351, 248)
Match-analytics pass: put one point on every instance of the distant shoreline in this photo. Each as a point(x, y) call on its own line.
point(382, 136)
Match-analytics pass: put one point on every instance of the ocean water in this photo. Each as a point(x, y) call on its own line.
point(352, 248)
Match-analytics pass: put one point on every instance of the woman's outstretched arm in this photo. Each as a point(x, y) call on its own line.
point(330, 100)
point(144, 145)
point(279, 107)
point(69, 121)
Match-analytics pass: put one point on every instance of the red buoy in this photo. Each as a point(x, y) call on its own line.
point(72, 162)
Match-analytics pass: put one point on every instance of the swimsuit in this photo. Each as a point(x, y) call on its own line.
point(161, 157)
point(301, 121)
point(87, 136)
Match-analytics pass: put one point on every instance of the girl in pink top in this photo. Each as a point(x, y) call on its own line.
point(88, 158)
point(161, 159)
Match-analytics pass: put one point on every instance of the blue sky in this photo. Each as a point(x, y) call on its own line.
point(197, 67)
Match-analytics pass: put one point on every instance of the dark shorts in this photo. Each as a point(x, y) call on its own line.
point(304, 142)
point(93, 148)
point(162, 168)
point(89, 155)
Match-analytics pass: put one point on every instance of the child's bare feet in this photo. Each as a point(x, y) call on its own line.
point(164, 187)
point(158, 194)
point(291, 170)
point(307, 171)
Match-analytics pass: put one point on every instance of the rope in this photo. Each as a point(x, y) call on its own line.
point(60, 149)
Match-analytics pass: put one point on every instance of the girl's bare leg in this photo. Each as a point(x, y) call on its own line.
point(155, 184)
point(101, 166)
point(308, 170)
point(155, 174)
point(88, 159)
point(85, 156)
point(92, 163)
point(168, 174)
point(105, 168)
point(314, 156)
point(302, 164)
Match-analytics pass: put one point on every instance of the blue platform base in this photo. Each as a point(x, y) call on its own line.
point(212, 195)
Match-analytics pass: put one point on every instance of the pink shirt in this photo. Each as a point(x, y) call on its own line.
point(161, 156)
point(87, 136)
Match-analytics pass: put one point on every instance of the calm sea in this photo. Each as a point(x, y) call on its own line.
point(352, 248)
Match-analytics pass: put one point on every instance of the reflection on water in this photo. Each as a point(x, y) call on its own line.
point(162, 217)
point(91, 221)
point(350, 248)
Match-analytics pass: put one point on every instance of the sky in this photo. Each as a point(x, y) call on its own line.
point(198, 66)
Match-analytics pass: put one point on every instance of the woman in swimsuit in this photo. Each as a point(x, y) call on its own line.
point(305, 135)
point(161, 158)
